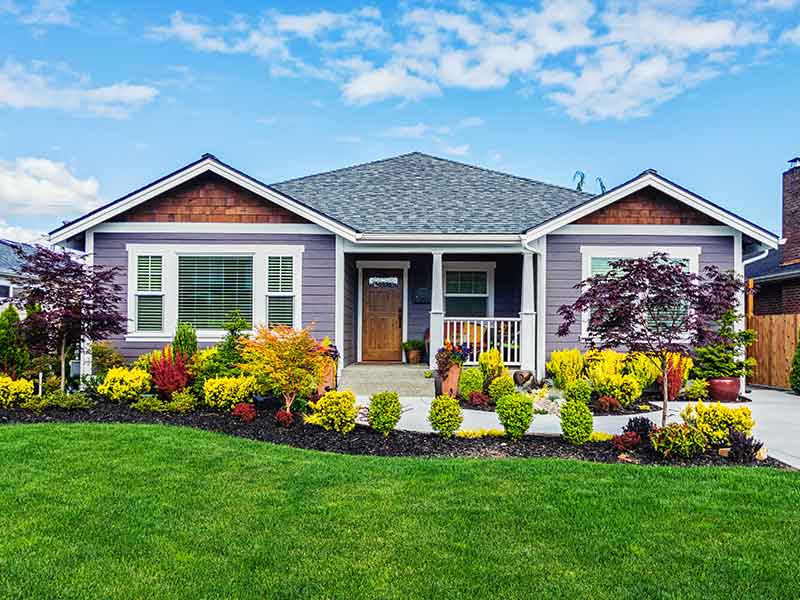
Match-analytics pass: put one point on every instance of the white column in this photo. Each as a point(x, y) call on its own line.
point(541, 311)
point(528, 316)
point(86, 345)
point(437, 307)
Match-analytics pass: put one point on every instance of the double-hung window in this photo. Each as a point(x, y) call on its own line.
point(149, 293)
point(211, 287)
point(468, 289)
point(281, 294)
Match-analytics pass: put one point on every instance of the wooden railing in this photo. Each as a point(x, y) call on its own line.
point(482, 334)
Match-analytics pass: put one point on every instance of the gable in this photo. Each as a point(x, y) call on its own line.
point(647, 206)
point(208, 198)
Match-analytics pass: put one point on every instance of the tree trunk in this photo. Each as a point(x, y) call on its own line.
point(63, 362)
point(665, 392)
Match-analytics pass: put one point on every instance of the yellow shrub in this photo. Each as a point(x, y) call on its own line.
point(600, 436)
point(124, 385)
point(226, 392)
point(606, 361)
point(335, 410)
point(643, 368)
point(715, 421)
point(491, 364)
point(144, 361)
point(565, 367)
point(688, 363)
point(479, 433)
point(14, 392)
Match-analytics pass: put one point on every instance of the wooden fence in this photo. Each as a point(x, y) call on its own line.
point(774, 348)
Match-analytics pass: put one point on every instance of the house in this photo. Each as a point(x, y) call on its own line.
point(396, 249)
point(9, 261)
point(777, 276)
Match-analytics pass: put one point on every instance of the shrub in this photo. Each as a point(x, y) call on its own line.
point(642, 368)
point(427, 374)
point(580, 391)
point(225, 392)
point(608, 404)
point(697, 390)
point(678, 439)
point(639, 425)
point(501, 386)
point(104, 358)
point(744, 448)
point(678, 367)
point(144, 361)
point(124, 385)
point(14, 355)
point(169, 373)
point(35, 403)
point(602, 363)
point(185, 340)
point(479, 399)
point(284, 361)
point(384, 411)
point(65, 401)
point(284, 418)
point(515, 412)
point(491, 365)
point(335, 410)
point(600, 436)
point(627, 441)
point(473, 434)
point(794, 374)
point(565, 367)
point(14, 392)
point(445, 415)
point(625, 388)
point(181, 402)
point(149, 403)
point(576, 422)
point(715, 421)
point(245, 412)
point(471, 381)
point(209, 364)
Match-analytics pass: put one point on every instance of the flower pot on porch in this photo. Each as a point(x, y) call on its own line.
point(414, 357)
point(450, 381)
point(724, 389)
point(327, 378)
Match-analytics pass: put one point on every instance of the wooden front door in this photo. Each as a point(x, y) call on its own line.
point(382, 315)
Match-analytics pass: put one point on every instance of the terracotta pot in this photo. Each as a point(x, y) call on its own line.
point(414, 357)
point(724, 389)
point(327, 378)
point(450, 382)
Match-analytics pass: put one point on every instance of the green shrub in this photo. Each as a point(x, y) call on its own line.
point(14, 355)
point(104, 358)
point(697, 390)
point(185, 340)
point(501, 386)
point(678, 439)
point(715, 421)
point(576, 422)
point(565, 367)
point(14, 392)
point(445, 415)
point(226, 392)
point(182, 402)
point(794, 374)
point(65, 401)
point(35, 403)
point(580, 391)
point(471, 381)
point(149, 403)
point(143, 361)
point(124, 385)
point(515, 412)
point(625, 388)
point(384, 411)
point(335, 410)
point(640, 366)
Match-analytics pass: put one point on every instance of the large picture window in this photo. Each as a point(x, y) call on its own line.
point(211, 287)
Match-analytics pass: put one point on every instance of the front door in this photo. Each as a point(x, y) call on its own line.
point(382, 312)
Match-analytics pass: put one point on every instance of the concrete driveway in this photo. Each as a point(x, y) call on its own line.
point(777, 417)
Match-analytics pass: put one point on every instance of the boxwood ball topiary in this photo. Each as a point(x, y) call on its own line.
point(445, 415)
point(515, 412)
point(580, 390)
point(576, 422)
point(384, 411)
point(501, 386)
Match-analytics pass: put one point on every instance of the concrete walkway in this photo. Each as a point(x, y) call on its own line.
point(777, 417)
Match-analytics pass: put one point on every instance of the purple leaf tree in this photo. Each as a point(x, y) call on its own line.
point(652, 305)
point(68, 300)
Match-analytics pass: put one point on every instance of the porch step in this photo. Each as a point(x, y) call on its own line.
point(368, 379)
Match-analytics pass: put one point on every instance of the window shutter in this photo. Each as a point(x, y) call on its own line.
point(211, 287)
point(149, 302)
point(280, 290)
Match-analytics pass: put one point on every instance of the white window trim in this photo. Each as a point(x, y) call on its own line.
point(487, 267)
point(691, 253)
point(403, 265)
point(169, 283)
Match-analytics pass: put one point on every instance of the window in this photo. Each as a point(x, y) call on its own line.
point(149, 294)
point(5, 291)
point(467, 290)
point(211, 287)
point(280, 290)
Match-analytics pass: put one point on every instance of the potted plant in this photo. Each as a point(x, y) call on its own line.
point(721, 362)
point(414, 350)
point(449, 360)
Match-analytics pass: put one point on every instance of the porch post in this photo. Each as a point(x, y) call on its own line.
point(437, 308)
point(527, 316)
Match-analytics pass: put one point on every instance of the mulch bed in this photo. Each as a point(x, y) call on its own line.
point(363, 440)
point(631, 410)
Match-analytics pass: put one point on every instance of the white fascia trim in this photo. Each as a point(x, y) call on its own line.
point(380, 264)
point(682, 230)
point(137, 227)
point(187, 174)
point(651, 179)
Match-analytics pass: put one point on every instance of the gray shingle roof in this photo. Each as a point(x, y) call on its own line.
point(418, 193)
point(8, 257)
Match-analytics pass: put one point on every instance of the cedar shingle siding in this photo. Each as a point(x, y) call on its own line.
point(647, 207)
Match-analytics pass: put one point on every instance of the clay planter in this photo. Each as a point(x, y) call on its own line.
point(450, 382)
point(724, 389)
point(327, 378)
point(414, 357)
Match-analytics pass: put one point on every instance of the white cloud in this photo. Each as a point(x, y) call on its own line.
point(460, 150)
point(407, 131)
point(791, 36)
point(23, 86)
point(775, 4)
point(469, 122)
point(393, 81)
point(41, 12)
point(18, 234)
point(39, 187)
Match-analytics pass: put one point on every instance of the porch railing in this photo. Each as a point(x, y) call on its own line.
point(482, 334)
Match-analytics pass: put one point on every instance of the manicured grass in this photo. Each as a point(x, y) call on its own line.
point(134, 511)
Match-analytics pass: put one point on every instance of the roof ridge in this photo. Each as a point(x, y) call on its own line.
point(347, 168)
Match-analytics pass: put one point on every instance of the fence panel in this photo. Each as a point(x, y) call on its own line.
point(777, 337)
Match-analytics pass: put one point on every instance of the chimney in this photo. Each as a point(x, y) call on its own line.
point(791, 213)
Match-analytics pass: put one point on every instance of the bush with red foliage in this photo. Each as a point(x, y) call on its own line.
point(169, 374)
point(608, 404)
point(284, 418)
point(479, 399)
point(627, 441)
point(245, 411)
point(675, 371)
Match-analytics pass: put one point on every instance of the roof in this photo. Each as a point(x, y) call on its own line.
point(770, 267)
point(419, 193)
point(8, 256)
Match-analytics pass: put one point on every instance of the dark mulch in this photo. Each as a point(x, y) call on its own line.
point(633, 409)
point(362, 440)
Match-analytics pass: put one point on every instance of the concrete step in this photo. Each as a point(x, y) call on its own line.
point(368, 379)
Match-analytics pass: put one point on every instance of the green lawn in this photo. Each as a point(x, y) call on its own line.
point(131, 511)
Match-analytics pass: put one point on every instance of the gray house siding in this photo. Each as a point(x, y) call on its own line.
point(564, 270)
point(319, 259)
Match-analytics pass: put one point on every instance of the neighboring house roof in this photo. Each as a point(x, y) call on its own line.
point(8, 256)
point(770, 267)
point(418, 193)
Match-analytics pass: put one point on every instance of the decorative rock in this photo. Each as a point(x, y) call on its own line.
point(724, 452)
point(628, 458)
point(762, 454)
point(522, 377)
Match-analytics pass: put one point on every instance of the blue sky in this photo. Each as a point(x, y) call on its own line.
point(99, 99)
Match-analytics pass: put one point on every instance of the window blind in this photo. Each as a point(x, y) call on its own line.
point(211, 287)
point(280, 290)
point(149, 296)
